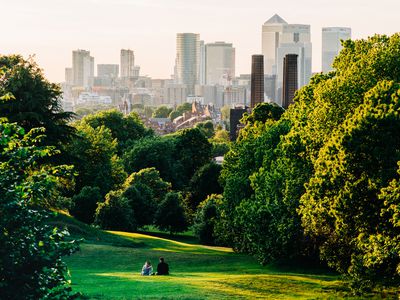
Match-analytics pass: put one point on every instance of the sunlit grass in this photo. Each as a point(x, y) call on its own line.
point(103, 271)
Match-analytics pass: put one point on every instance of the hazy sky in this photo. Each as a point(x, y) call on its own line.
point(51, 29)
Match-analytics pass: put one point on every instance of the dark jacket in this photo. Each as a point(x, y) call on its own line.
point(162, 269)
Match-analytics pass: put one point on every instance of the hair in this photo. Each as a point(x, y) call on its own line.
point(148, 262)
point(162, 259)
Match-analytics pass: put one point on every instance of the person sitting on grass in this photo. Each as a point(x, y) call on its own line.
point(147, 269)
point(162, 268)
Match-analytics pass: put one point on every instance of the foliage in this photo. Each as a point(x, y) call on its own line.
point(170, 215)
point(35, 101)
point(157, 152)
point(344, 205)
point(207, 216)
point(30, 250)
point(180, 110)
point(219, 149)
point(93, 153)
point(162, 112)
point(203, 183)
point(148, 111)
point(207, 128)
point(115, 213)
point(84, 204)
point(144, 192)
point(125, 129)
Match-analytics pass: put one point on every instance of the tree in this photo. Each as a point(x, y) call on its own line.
point(192, 150)
point(93, 153)
point(125, 129)
point(170, 215)
point(85, 203)
point(207, 128)
point(31, 251)
point(115, 213)
point(203, 183)
point(35, 101)
point(343, 205)
point(162, 112)
point(207, 216)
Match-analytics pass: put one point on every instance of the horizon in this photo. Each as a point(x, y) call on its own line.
point(52, 30)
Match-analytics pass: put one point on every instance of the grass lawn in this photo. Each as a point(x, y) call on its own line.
point(105, 271)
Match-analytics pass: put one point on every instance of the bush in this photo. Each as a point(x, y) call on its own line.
point(85, 203)
point(170, 215)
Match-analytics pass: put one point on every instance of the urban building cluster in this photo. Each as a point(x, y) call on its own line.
point(205, 72)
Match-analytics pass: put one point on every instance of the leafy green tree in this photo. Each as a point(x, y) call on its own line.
point(192, 150)
point(148, 111)
point(93, 153)
point(170, 215)
point(157, 152)
point(341, 206)
point(35, 101)
point(162, 112)
point(115, 213)
point(207, 216)
point(31, 251)
point(203, 183)
point(207, 128)
point(85, 203)
point(126, 129)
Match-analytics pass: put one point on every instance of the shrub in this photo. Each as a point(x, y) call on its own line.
point(85, 203)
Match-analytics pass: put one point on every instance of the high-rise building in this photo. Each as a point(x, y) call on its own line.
point(235, 114)
point(69, 76)
point(82, 68)
point(127, 61)
point(202, 67)
point(279, 39)
point(289, 79)
point(331, 44)
point(187, 69)
point(257, 80)
point(220, 63)
point(108, 70)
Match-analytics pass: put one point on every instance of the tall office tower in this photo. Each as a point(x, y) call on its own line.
point(187, 60)
point(82, 68)
point(202, 67)
point(331, 44)
point(257, 80)
point(127, 59)
point(108, 70)
point(279, 39)
point(69, 76)
point(289, 79)
point(220, 63)
point(235, 114)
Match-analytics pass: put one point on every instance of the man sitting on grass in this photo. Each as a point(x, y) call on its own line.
point(162, 268)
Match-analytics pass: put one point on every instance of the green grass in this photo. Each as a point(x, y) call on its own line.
point(108, 267)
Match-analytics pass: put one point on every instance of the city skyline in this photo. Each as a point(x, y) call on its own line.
point(104, 27)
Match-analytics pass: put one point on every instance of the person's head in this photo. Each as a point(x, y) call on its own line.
point(161, 259)
point(148, 263)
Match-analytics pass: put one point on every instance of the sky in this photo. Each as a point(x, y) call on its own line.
point(51, 29)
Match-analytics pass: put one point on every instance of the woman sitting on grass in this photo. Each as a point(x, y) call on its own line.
point(147, 269)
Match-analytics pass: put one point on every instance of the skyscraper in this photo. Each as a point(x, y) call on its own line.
point(202, 67)
point(220, 63)
point(279, 39)
point(82, 68)
point(127, 59)
point(331, 44)
point(187, 61)
point(289, 79)
point(257, 80)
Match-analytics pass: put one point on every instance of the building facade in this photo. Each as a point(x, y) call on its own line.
point(331, 44)
point(187, 68)
point(127, 63)
point(257, 80)
point(82, 68)
point(219, 63)
point(108, 70)
point(290, 81)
